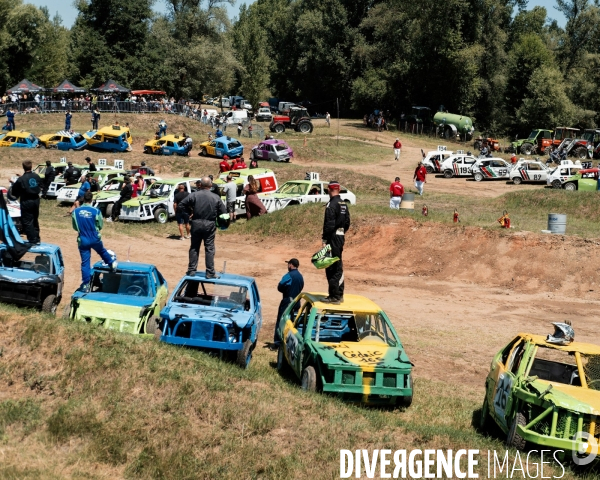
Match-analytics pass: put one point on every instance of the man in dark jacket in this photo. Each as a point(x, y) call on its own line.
point(290, 286)
point(205, 207)
point(49, 176)
point(72, 174)
point(27, 188)
point(126, 193)
point(335, 225)
point(91, 165)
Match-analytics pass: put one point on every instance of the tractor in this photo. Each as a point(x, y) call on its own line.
point(297, 118)
point(492, 144)
point(539, 139)
point(588, 143)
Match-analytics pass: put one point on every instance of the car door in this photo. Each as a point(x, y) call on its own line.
point(536, 173)
point(500, 168)
point(169, 148)
point(64, 143)
point(293, 337)
point(53, 141)
point(59, 267)
point(161, 290)
point(316, 193)
point(506, 372)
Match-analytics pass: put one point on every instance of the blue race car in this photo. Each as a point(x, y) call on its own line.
point(221, 146)
point(19, 140)
point(63, 141)
point(167, 145)
point(221, 314)
point(36, 280)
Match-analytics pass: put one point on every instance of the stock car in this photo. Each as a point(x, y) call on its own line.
point(167, 145)
point(434, 159)
point(126, 299)
point(529, 171)
point(490, 169)
point(110, 139)
point(68, 194)
point(221, 314)
point(63, 140)
point(20, 139)
point(272, 150)
point(14, 208)
point(559, 175)
point(300, 192)
point(105, 199)
point(350, 350)
point(545, 394)
point(267, 182)
point(221, 146)
point(458, 165)
point(59, 168)
point(585, 180)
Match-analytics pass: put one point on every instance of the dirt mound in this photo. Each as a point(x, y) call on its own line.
point(523, 260)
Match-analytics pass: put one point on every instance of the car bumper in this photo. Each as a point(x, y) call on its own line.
point(357, 386)
point(201, 334)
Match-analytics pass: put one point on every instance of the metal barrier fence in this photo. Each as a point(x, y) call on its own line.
point(53, 106)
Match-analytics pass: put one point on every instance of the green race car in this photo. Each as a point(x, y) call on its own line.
point(350, 350)
point(585, 180)
point(546, 393)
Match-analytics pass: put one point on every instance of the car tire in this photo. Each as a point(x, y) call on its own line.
point(203, 152)
point(429, 170)
point(50, 304)
point(67, 312)
point(448, 173)
point(244, 356)
point(161, 215)
point(484, 417)
point(309, 379)
point(109, 209)
point(282, 365)
point(151, 325)
point(570, 186)
point(404, 401)
point(513, 439)
point(478, 177)
point(556, 184)
point(517, 180)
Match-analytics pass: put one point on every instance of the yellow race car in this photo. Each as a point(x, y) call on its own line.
point(109, 139)
point(19, 140)
point(167, 145)
point(63, 140)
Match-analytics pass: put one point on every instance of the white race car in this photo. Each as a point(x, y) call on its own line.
point(491, 169)
point(14, 208)
point(434, 159)
point(458, 165)
point(560, 174)
point(529, 171)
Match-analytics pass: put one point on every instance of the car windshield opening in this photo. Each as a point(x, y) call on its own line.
point(159, 188)
point(281, 148)
point(293, 188)
point(556, 366)
point(210, 294)
point(336, 327)
point(35, 262)
point(121, 283)
point(233, 145)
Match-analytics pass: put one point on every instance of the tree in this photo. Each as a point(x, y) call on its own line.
point(50, 65)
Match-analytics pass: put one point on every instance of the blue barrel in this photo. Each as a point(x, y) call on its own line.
point(408, 202)
point(557, 223)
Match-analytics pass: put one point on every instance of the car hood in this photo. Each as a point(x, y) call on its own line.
point(122, 313)
point(106, 195)
point(278, 195)
point(573, 398)
point(239, 317)
point(120, 300)
point(17, 275)
point(136, 202)
point(368, 354)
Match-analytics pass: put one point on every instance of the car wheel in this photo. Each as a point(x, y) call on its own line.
point(67, 312)
point(50, 304)
point(517, 180)
point(484, 417)
point(406, 400)
point(527, 149)
point(152, 325)
point(309, 379)
point(161, 215)
point(429, 170)
point(570, 186)
point(109, 209)
point(244, 355)
point(448, 173)
point(514, 439)
point(282, 366)
point(556, 184)
point(203, 152)
point(478, 177)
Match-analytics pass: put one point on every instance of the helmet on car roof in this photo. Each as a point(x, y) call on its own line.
point(563, 334)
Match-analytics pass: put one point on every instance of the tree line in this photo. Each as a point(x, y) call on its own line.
point(506, 65)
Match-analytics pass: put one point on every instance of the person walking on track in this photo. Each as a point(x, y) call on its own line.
point(396, 192)
point(335, 225)
point(397, 149)
point(420, 177)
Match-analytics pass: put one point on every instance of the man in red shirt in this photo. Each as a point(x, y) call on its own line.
point(224, 165)
point(420, 177)
point(396, 192)
point(513, 159)
point(397, 149)
point(239, 164)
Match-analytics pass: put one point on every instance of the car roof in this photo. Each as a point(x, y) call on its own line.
point(224, 278)
point(351, 303)
point(273, 141)
point(176, 181)
point(115, 130)
point(19, 134)
point(585, 348)
point(227, 139)
point(41, 248)
point(171, 137)
point(128, 267)
point(65, 133)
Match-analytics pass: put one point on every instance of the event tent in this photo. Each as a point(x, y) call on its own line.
point(110, 86)
point(147, 92)
point(25, 86)
point(67, 87)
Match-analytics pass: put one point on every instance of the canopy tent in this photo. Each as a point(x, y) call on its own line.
point(67, 87)
point(147, 92)
point(25, 86)
point(110, 86)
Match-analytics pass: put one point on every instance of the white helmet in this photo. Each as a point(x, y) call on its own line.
point(563, 334)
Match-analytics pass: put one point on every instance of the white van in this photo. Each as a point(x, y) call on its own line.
point(236, 116)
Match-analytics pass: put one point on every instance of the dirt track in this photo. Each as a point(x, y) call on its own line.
point(455, 295)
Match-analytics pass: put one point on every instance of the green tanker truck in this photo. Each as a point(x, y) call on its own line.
point(449, 125)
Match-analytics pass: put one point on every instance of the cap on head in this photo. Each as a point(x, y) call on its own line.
point(293, 261)
point(70, 164)
point(397, 179)
point(225, 157)
point(334, 185)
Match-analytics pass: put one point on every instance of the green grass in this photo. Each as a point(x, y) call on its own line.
point(121, 406)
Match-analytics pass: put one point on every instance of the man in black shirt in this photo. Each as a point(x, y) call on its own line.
point(49, 176)
point(205, 206)
point(27, 188)
point(181, 214)
point(91, 165)
point(335, 225)
point(126, 193)
point(72, 174)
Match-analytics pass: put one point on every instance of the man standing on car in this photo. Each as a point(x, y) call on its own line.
point(397, 149)
point(68, 118)
point(420, 177)
point(181, 215)
point(49, 176)
point(205, 206)
point(230, 190)
point(27, 189)
point(335, 225)
point(396, 192)
point(10, 118)
point(87, 222)
point(290, 286)
point(126, 194)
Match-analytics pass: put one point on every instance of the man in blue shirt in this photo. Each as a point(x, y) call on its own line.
point(68, 118)
point(290, 286)
point(87, 221)
point(10, 118)
point(86, 186)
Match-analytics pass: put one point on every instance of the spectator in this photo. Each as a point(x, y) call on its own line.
point(68, 118)
point(10, 119)
point(181, 214)
point(397, 149)
point(420, 177)
point(49, 176)
point(125, 195)
point(396, 192)
point(27, 189)
point(85, 187)
point(91, 165)
point(254, 207)
point(328, 119)
point(224, 164)
point(230, 190)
